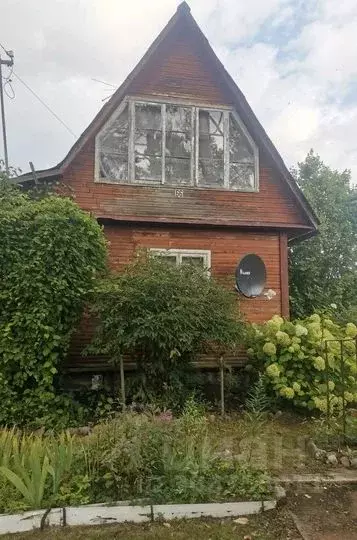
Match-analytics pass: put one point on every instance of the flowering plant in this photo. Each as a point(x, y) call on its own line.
point(292, 355)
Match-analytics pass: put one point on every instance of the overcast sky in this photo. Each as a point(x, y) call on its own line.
point(295, 61)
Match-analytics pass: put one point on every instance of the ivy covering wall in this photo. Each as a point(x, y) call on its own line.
point(50, 254)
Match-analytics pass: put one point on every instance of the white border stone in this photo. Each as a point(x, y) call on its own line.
point(101, 514)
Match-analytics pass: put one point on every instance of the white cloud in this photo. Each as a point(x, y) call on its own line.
point(296, 82)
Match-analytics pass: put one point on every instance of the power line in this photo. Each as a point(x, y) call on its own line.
point(104, 82)
point(41, 100)
point(45, 104)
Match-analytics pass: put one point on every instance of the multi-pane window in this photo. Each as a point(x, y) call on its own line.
point(211, 148)
point(200, 257)
point(177, 145)
point(114, 149)
point(148, 142)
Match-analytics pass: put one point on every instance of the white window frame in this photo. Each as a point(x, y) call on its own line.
point(195, 107)
point(179, 253)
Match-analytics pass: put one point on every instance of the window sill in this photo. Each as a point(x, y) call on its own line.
point(158, 185)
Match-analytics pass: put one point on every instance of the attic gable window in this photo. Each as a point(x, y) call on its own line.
point(176, 145)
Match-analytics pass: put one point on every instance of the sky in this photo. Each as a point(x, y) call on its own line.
point(295, 61)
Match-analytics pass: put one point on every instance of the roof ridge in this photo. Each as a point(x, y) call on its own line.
point(183, 8)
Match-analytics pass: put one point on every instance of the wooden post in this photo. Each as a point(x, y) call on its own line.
point(122, 384)
point(221, 363)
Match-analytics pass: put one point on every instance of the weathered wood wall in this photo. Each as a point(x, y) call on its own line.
point(227, 248)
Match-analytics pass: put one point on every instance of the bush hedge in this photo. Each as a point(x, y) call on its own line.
point(50, 254)
point(292, 357)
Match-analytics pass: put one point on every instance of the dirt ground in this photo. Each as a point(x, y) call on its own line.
point(323, 512)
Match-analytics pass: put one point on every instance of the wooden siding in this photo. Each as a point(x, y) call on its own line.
point(180, 68)
point(271, 206)
point(227, 248)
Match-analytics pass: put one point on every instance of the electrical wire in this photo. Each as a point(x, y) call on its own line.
point(8, 88)
point(45, 104)
point(8, 83)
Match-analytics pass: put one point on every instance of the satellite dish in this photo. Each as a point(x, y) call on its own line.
point(251, 276)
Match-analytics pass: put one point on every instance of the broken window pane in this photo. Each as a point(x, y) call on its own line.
point(148, 168)
point(177, 171)
point(240, 149)
point(211, 122)
point(242, 176)
point(241, 158)
point(113, 154)
point(148, 142)
point(211, 149)
point(148, 116)
point(211, 173)
point(178, 147)
point(178, 118)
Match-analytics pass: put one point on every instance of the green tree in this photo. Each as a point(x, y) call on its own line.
point(50, 254)
point(163, 316)
point(323, 269)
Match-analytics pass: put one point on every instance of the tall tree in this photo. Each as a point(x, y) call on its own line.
point(323, 269)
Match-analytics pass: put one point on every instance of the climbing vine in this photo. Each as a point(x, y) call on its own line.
point(50, 253)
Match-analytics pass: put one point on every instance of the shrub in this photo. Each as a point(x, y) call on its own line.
point(50, 252)
point(156, 458)
point(163, 316)
point(142, 456)
point(291, 355)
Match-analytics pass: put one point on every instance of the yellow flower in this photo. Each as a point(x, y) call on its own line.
point(300, 330)
point(269, 349)
point(319, 363)
point(273, 370)
point(320, 403)
point(283, 338)
point(315, 318)
point(275, 323)
point(349, 397)
point(287, 392)
point(351, 330)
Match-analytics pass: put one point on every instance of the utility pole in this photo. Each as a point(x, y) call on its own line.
point(9, 63)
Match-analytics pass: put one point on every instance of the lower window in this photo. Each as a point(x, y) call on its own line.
point(200, 257)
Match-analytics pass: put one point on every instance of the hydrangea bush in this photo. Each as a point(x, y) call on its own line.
point(292, 357)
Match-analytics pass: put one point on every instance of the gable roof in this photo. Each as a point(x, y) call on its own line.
point(183, 15)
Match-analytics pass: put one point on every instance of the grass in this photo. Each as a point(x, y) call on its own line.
point(275, 525)
point(278, 448)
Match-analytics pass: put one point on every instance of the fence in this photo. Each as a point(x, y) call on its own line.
point(345, 367)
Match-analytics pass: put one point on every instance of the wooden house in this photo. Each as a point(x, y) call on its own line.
point(177, 161)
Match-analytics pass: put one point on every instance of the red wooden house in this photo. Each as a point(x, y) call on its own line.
point(177, 161)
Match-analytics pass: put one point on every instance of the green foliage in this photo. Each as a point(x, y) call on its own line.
point(156, 458)
point(163, 316)
point(258, 402)
point(291, 355)
point(28, 462)
point(163, 460)
point(323, 269)
point(50, 253)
